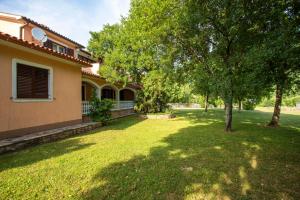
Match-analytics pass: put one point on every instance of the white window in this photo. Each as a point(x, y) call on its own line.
point(31, 81)
point(58, 48)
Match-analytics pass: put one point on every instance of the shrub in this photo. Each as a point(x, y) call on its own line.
point(291, 101)
point(100, 109)
point(267, 102)
point(148, 104)
point(155, 95)
point(201, 101)
point(249, 104)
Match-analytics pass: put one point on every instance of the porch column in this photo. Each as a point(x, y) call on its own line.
point(118, 98)
point(98, 92)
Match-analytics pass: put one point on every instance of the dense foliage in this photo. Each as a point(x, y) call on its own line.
point(289, 101)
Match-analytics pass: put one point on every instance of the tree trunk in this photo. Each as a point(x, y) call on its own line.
point(276, 114)
point(228, 111)
point(206, 102)
point(240, 105)
point(228, 90)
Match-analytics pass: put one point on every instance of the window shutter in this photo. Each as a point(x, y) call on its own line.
point(70, 52)
point(24, 81)
point(40, 85)
point(48, 44)
point(32, 82)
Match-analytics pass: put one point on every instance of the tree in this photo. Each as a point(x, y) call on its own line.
point(251, 80)
point(103, 43)
point(279, 48)
point(129, 57)
point(204, 82)
point(229, 28)
point(283, 49)
point(158, 91)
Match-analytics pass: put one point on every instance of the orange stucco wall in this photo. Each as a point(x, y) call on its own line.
point(66, 90)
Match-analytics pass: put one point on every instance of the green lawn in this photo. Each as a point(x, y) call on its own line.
point(189, 157)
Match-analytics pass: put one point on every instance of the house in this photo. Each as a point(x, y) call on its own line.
point(47, 85)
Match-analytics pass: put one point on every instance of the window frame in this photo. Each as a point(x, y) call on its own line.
point(15, 61)
point(56, 47)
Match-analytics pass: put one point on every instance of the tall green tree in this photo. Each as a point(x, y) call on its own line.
point(130, 56)
point(282, 49)
point(229, 28)
point(276, 52)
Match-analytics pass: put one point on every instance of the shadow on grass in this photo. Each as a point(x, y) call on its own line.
point(261, 118)
point(41, 152)
point(201, 162)
point(123, 122)
point(45, 151)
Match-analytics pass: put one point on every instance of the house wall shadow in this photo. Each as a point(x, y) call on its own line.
point(261, 118)
point(124, 122)
point(44, 151)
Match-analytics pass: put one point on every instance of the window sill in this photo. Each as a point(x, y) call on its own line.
point(31, 100)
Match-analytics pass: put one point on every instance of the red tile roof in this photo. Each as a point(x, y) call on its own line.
point(12, 39)
point(88, 72)
point(135, 86)
point(85, 52)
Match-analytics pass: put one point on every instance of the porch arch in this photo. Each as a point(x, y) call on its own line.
point(93, 84)
point(127, 94)
point(109, 91)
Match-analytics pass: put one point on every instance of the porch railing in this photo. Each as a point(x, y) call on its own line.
point(85, 106)
point(118, 105)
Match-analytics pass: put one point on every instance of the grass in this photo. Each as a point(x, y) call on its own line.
point(189, 157)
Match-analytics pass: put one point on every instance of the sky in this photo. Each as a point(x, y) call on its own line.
point(71, 18)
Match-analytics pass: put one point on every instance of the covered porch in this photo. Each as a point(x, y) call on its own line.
point(123, 98)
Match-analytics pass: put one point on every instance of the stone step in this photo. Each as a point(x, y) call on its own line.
point(17, 143)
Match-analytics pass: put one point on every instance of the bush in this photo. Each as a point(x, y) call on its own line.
point(150, 105)
point(201, 101)
point(155, 95)
point(291, 101)
point(249, 104)
point(267, 102)
point(100, 109)
point(286, 101)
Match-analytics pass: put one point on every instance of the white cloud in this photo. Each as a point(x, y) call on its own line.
point(118, 7)
point(73, 19)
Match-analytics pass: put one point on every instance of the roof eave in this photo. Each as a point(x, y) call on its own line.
point(28, 20)
point(13, 42)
